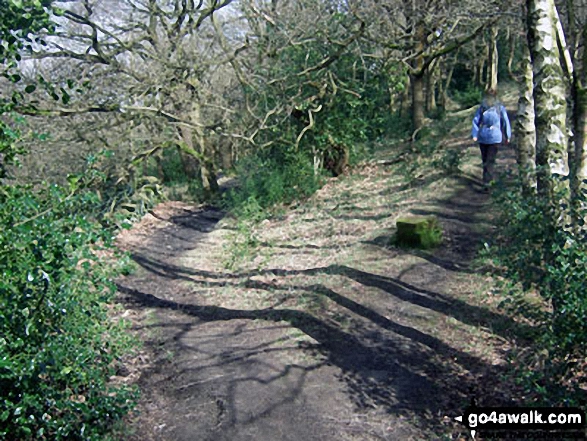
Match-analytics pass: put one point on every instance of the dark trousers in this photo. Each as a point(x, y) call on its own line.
point(488, 155)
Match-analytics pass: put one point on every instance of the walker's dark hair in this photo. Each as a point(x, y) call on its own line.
point(490, 98)
point(491, 91)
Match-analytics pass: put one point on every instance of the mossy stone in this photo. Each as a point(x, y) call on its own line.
point(418, 231)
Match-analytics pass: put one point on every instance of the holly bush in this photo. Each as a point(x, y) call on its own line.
point(58, 343)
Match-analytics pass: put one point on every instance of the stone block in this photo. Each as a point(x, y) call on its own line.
point(418, 231)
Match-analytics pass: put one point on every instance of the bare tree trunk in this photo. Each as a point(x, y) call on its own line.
point(549, 101)
point(201, 154)
point(417, 75)
point(418, 101)
point(481, 65)
point(188, 161)
point(404, 107)
point(443, 92)
point(431, 78)
point(493, 59)
point(226, 155)
point(512, 40)
point(526, 131)
point(207, 171)
point(480, 75)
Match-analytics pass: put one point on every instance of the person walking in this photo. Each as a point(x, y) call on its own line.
point(490, 125)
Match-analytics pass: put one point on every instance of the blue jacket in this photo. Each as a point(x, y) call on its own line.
point(490, 132)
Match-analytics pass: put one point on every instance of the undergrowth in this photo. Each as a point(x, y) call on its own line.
point(267, 181)
point(60, 342)
point(537, 255)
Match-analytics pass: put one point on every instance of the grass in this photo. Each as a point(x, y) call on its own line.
point(328, 257)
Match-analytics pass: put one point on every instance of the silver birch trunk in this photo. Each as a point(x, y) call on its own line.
point(526, 130)
point(493, 60)
point(549, 102)
point(579, 175)
point(579, 165)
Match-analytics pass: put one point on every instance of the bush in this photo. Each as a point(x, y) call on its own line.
point(448, 160)
point(539, 254)
point(469, 97)
point(58, 345)
point(118, 194)
point(270, 178)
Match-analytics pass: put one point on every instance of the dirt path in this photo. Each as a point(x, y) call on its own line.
point(323, 331)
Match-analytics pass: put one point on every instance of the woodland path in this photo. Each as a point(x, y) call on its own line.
point(322, 330)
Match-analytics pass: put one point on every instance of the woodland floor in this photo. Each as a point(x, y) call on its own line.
point(322, 330)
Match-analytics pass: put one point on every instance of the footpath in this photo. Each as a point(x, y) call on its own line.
point(321, 329)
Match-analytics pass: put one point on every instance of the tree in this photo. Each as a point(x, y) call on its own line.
point(19, 23)
point(493, 60)
point(549, 102)
point(526, 130)
point(419, 32)
point(576, 19)
point(154, 63)
point(304, 87)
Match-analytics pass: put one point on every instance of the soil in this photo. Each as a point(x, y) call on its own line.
point(311, 325)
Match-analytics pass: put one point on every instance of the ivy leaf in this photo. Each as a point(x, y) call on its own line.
point(65, 97)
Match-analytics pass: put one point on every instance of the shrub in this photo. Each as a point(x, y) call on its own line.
point(270, 178)
point(468, 97)
point(448, 160)
point(539, 254)
point(58, 346)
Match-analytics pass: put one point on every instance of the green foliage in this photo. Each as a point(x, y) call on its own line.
point(243, 241)
point(538, 254)
point(271, 177)
point(59, 345)
point(431, 156)
point(19, 20)
point(9, 134)
point(169, 168)
point(448, 160)
point(468, 97)
point(59, 342)
point(323, 109)
point(121, 194)
point(171, 172)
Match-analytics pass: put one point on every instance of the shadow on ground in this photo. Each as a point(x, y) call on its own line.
point(334, 367)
